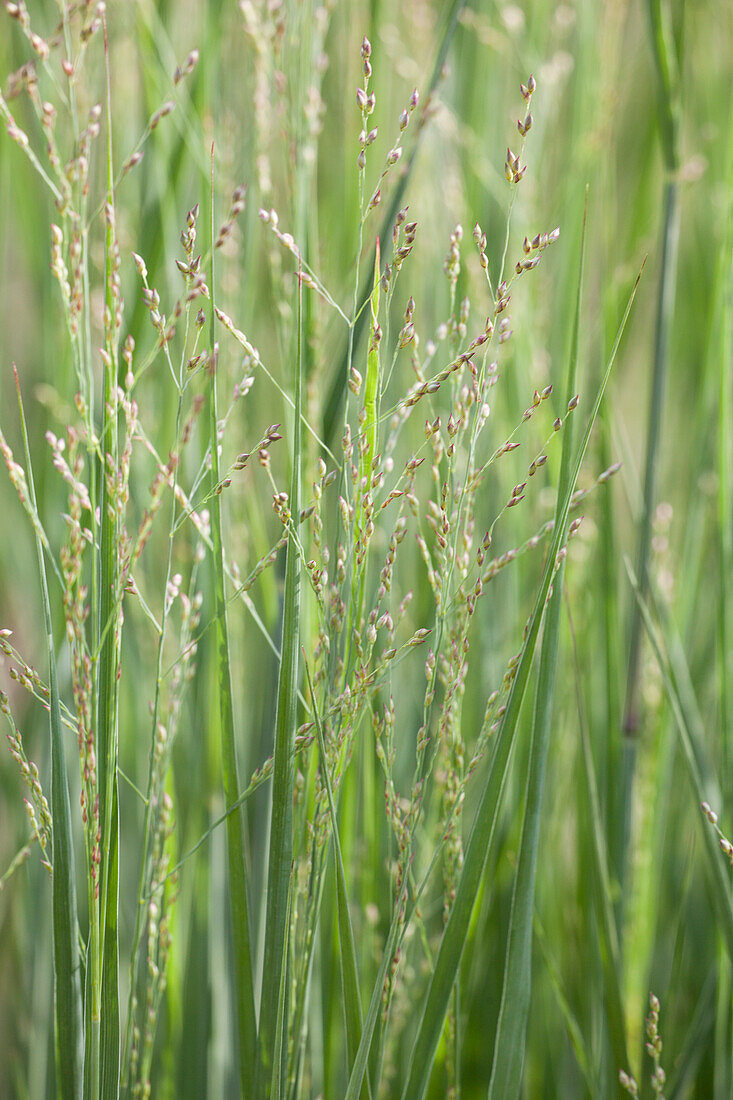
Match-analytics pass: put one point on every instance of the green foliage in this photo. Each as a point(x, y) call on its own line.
point(294, 498)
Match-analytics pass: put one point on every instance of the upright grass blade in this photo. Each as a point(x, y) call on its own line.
point(244, 987)
point(575, 1034)
point(372, 386)
point(681, 1077)
point(110, 1022)
point(484, 826)
point(347, 945)
point(665, 62)
point(373, 381)
point(602, 890)
point(668, 101)
point(279, 1079)
point(721, 350)
point(354, 1087)
point(109, 667)
point(107, 698)
point(509, 1043)
point(67, 979)
point(699, 772)
point(281, 828)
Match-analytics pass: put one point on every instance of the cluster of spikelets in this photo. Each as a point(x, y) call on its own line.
point(654, 1050)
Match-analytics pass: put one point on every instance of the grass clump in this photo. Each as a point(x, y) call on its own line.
point(326, 596)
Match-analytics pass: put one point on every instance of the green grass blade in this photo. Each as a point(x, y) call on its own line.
point(482, 833)
point(668, 88)
point(372, 382)
point(244, 987)
point(575, 1034)
point(109, 1039)
point(354, 1087)
point(667, 119)
point(67, 982)
point(107, 757)
point(682, 1074)
point(347, 944)
point(721, 350)
point(665, 309)
point(509, 1043)
point(278, 1082)
point(108, 675)
point(689, 726)
point(602, 890)
point(371, 425)
point(281, 828)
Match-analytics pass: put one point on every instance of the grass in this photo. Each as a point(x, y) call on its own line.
point(349, 754)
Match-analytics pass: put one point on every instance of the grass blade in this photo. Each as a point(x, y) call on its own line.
point(509, 1043)
point(482, 833)
point(575, 1035)
point(668, 92)
point(720, 351)
point(281, 828)
point(353, 1090)
point(67, 983)
point(110, 616)
point(110, 1019)
point(688, 723)
point(602, 890)
point(347, 945)
point(244, 988)
point(683, 1073)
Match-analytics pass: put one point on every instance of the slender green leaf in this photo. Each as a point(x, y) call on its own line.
point(109, 624)
point(720, 352)
point(682, 1074)
point(699, 772)
point(67, 978)
point(110, 1022)
point(347, 945)
point(509, 1043)
point(243, 983)
point(602, 890)
point(667, 119)
point(354, 1087)
point(575, 1034)
point(281, 827)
